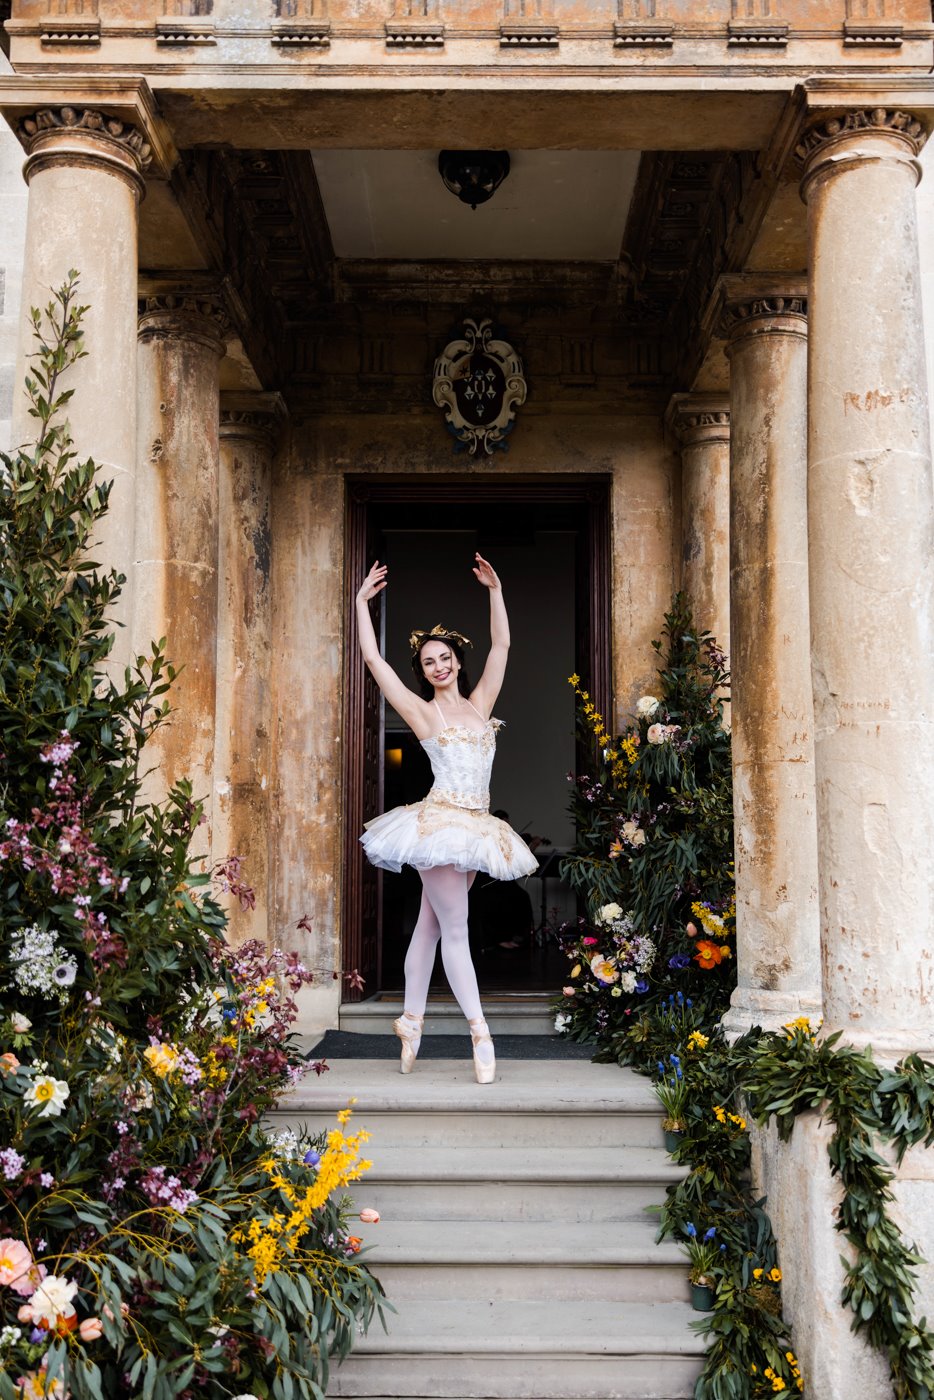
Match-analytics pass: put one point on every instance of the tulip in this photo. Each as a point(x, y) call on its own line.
point(369, 1216)
point(90, 1329)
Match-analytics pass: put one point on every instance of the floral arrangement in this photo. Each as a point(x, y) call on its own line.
point(654, 824)
point(154, 1240)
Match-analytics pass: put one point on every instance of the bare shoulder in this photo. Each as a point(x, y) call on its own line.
point(421, 718)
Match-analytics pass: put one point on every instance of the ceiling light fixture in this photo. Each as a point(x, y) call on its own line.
point(474, 176)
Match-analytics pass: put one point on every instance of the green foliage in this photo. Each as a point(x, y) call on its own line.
point(654, 822)
point(791, 1074)
point(156, 1241)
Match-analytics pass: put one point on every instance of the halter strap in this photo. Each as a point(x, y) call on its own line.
point(444, 724)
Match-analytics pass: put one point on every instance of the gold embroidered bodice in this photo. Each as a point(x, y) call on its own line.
point(461, 762)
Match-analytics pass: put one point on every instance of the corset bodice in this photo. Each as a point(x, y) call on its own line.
point(461, 762)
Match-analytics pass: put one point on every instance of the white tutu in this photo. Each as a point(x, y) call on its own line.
point(434, 832)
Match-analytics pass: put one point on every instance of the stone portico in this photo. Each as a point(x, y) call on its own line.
point(746, 375)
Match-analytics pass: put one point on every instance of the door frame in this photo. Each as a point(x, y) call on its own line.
point(593, 654)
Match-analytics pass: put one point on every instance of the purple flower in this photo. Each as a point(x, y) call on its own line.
point(46, 1179)
point(679, 962)
point(311, 1158)
point(642, 985)
point(11, 1163)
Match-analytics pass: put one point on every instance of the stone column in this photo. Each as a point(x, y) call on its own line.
point(182, 335)
point(871, 557)
point(701, 423)
point(777, 910)
point(242, 786)
point(85, 175)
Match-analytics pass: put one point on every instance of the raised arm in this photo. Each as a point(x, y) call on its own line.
point(409, 705)
point(491, 682)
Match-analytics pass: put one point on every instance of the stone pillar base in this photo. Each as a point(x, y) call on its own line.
point(802, 1199)
point(771, 1011)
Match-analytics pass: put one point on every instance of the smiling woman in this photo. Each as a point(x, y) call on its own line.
point(450, 835)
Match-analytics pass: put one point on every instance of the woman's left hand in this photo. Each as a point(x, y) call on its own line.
point(485, 573)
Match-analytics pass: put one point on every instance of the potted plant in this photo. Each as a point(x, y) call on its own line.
point(703, 1254)
point(672, 1092)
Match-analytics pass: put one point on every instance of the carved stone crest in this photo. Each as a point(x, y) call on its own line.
point(479, 383)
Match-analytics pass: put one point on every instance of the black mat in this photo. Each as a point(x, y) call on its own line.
point(349, 1045)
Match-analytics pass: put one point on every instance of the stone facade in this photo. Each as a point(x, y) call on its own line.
point(249, 190)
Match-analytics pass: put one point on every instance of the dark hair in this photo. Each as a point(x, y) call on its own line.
point(425, 688)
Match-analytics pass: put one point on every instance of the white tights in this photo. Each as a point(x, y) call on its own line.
point(442, 916)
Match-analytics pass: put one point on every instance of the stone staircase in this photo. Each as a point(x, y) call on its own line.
point(514, 1241)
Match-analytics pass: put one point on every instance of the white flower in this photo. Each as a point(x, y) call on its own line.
point(628, 981)
point(608, 913)
point(21, 1024)
point(48, 1095)
point(638, 837)
point(65, 972)
point(616, 991)
point(646, 706)
point(656, 733)
point(244, 1396)
point(561, 1020)
point(52, 1299)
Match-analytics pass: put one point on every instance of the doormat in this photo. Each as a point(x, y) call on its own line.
point(351, 1045)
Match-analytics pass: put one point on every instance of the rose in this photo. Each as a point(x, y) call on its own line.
point(47, 1094)
point(590, 942)
point(656, 734)
point(639, 838)
point(569, 991)
point(21, 1024)
point(51, 1303)
point(646, 706)
point(608, 913)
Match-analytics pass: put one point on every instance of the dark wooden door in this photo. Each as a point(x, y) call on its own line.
point(586, 503)
point(363, 760)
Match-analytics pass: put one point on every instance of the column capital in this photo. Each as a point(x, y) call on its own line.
point(754, 304)
point(252, 417)
point(695, 419)
point(184, 307)
point(84, 136)
point(859, 134)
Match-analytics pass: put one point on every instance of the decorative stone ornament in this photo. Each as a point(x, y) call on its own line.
point(479, 382)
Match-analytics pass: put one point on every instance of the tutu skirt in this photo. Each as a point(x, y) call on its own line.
point(434, 832)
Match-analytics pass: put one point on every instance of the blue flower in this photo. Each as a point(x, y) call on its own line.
point(690, 1002)
point(710, 1233)
point(642, 985)
point(690, 1231)
point(675, 1060)
point(723, 1249)
point(678, 963)
point(678, 1072)
point(661, 1066)
point(311, 1158)
point(229, 1013)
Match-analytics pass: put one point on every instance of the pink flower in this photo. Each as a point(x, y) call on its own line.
point(17, 1270)
point(90, 1329)
point(590, 942)
point(369, 1216)
point(9, 1064)
point(568, 991)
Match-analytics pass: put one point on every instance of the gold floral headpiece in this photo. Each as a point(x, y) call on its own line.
point(439, 633)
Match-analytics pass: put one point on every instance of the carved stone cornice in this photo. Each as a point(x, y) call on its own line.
point(194, 312)
point(860, 133)
point(699, 419)
point(84, 136)
point(252, 417)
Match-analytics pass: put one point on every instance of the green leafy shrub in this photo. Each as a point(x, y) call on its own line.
point(154, 1240)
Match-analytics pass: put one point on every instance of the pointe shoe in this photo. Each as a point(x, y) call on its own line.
point(485, 1068)
point(409, 1030)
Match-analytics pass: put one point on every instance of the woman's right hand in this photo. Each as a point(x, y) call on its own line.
point(374, 582)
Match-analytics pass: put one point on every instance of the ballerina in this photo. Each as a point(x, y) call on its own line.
point(450, 834)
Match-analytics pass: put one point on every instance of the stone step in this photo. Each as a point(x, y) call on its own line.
point(503, 1183)
point(516, 1349)
point(521, 1014)
point(598, 1105)
point(523, 1260)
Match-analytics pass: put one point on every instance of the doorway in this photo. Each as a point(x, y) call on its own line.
point(548, 540)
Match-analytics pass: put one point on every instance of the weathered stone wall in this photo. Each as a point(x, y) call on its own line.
point(12, 240)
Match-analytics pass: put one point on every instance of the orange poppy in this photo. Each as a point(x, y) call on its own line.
point(708, 954)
